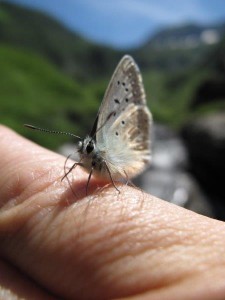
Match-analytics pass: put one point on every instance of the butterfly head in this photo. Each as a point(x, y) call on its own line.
point(87, 146)
point(90, 156)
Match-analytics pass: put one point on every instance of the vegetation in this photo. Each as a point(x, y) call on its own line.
point(34, 91)
point(51, 77)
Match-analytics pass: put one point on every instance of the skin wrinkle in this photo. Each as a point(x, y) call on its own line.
point(32, 260)
point(107, 276)
point(116, 238)
point(155, 283)
point(143, 255)
point(21, 213)
point(15, 285)
point(174, 293)
point(133, 274)
point(177, 290)
point(23, 187)
point(101, 250)
point(26, 190)
point(54, 210)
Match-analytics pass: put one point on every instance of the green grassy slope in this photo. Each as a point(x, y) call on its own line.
point(34, 91)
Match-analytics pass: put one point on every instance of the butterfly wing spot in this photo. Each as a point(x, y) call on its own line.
point(126, 89)
point(117, 133)
point(118, 82)
point(117, 101)
point(123, 83)
point(126, 99)
point(122, 122)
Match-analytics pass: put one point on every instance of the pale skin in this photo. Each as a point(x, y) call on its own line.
point(101, 246)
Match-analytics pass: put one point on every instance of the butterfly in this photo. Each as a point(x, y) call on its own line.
point(118, 146)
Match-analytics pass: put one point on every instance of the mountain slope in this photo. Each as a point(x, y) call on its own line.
point(180, 47)
point(36, 31)
point(34, 91)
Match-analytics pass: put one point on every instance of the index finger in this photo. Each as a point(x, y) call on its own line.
point(103, 246)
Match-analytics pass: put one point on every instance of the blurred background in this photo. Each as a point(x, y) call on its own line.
point(57, 57)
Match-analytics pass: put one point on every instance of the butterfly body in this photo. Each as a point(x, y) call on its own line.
point(119, 143)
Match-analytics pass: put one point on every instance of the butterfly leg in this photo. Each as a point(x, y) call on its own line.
point(88, 181)
point(70, 169)
point(127, 178)
point(128, 181)
point(66, 173)
point(108, 170)
point(65, 166)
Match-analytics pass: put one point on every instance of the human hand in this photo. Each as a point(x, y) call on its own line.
point(106, 245)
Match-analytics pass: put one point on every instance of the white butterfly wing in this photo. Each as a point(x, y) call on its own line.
point(124, 122)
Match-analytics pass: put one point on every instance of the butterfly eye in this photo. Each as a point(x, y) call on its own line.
point(90, 147)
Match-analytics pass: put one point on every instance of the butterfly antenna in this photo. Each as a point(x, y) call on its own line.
point(51, 131)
